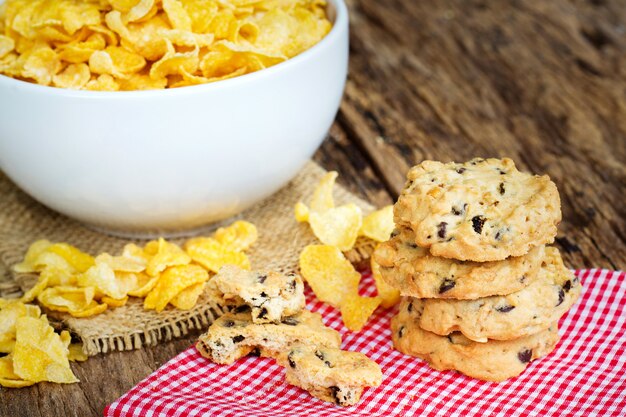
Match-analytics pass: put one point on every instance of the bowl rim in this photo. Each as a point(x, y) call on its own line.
point(341, 22)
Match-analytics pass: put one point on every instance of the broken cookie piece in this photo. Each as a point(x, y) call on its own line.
point(234, 335)
point(270, 295)
point(330, 374)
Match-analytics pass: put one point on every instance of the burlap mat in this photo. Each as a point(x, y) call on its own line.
point(281, 239)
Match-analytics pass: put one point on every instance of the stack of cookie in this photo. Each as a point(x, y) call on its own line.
point(482, 294)
point(268, 319)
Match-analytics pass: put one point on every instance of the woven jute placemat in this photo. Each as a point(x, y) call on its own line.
point(281, 239)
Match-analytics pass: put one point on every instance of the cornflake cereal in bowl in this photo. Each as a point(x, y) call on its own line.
point(260, 83)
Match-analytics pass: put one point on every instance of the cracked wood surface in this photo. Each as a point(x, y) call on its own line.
point(541, 82)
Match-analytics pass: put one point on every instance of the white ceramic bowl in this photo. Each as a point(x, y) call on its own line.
point(168, 161)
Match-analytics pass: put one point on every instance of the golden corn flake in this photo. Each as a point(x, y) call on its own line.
point(104, 82)
point(67, 299)
point(6, 45)
point(102, 277)
point(93, 309)
point(172, 282)
point(187, 298)
point(172, 42)
point(9, 314)
point(239, 236)
point(31, 259)
point(80, 261)
point(76, 353)
point(74, 76)
point(337, 226)
point(135, 252)
point(331, 276)
point(122, 263)
point(56, 276)
point(301, 212)
point(114, 302)
point(322, 199)
point(167, 254)
point(40, 354)
point(8, 377)
point(212, 255)
point(379, 224)
point(143, 283)
point(356, 310)
point(389, 295)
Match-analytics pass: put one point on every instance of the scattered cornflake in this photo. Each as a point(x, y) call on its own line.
point(379, 224)
point(331, 276)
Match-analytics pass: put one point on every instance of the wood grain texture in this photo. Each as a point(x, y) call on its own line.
point(541, 82)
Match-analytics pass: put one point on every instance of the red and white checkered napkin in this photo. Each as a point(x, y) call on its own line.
point(585, 375)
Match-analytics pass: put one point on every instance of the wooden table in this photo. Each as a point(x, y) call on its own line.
point(541, 82)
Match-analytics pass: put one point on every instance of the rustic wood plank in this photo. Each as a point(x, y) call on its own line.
point(540, 82)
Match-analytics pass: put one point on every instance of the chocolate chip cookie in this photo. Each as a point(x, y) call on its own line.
point(270, 295)
point(495, 360)
point(329, 374)
point(481, 210)
point(416, 273)
point(234, 335)
point(504, 317)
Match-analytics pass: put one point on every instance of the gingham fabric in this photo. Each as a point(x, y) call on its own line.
point(584, 376)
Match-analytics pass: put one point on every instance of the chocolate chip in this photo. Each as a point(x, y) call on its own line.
point(522, 279)
point(461, 170)
point(321, 357)
point(501, 171)
point(525, 355)
point(561, 297)
point(334, 391)
point(228, 323)
point(567, 286)
point(238, 338)
point(292, 286)
point(401, 331)
point(505, 308)
point(262, 314)
point(263, 294)
point(290, 321)
point(477, 223)
point(441, 230)
point(255, 352)
point(501, 188)
point(459, 211)
point(498, 235)
point(261, 278)
point(292, 363)
point(409, 308)
point(446, 285)
point(244, 308)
